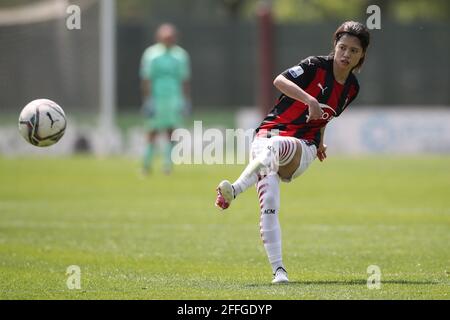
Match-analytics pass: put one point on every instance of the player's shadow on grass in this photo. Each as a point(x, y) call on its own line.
point(357, 282)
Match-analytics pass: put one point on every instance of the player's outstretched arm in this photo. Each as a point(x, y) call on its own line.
point(293, 91)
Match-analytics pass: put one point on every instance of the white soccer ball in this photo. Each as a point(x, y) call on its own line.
point(42, 122)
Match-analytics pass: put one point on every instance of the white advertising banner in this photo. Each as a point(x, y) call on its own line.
point(390, 130)
point(376, 130)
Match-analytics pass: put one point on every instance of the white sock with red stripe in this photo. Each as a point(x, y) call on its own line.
point(248, 177)
point(268, 190)
point(278, 151)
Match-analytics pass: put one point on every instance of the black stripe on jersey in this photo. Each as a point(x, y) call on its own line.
point(301, 131)
point(274, 127)
point(343, 97)
point(284, 103)
point(280, 127)
point(317, 137)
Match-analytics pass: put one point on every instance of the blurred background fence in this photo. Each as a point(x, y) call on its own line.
point(407, 63)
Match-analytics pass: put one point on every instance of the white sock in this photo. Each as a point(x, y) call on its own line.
point(269, 199)
point(248, 177)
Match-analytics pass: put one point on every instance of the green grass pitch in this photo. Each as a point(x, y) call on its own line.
point(162, 237)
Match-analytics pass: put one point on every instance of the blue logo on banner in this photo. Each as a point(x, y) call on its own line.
point(378, 133)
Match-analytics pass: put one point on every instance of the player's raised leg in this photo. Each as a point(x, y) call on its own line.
point(226, 191)
point(268, 155)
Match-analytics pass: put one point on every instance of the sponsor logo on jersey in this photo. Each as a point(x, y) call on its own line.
point(328, 112)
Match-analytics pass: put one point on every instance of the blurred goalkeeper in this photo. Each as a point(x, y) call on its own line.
point(165, 84)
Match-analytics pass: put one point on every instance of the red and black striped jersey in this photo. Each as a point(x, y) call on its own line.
point(315, 76)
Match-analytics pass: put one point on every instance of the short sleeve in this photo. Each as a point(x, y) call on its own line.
point(146, 65)
point(185, 70)
point(303, 73)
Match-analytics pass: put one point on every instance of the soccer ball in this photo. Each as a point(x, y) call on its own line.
point(42, 122)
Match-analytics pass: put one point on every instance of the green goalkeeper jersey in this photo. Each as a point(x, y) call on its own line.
point(166, 69)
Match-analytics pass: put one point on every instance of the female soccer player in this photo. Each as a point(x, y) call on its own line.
point(291, 136)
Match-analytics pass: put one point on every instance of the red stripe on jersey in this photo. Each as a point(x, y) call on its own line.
point(313, 88)
point(292, 113)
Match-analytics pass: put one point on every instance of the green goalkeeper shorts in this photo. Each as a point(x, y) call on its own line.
point(164, 120)
point(166, 113)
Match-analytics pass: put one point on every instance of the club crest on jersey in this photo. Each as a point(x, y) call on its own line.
point(296, 71)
